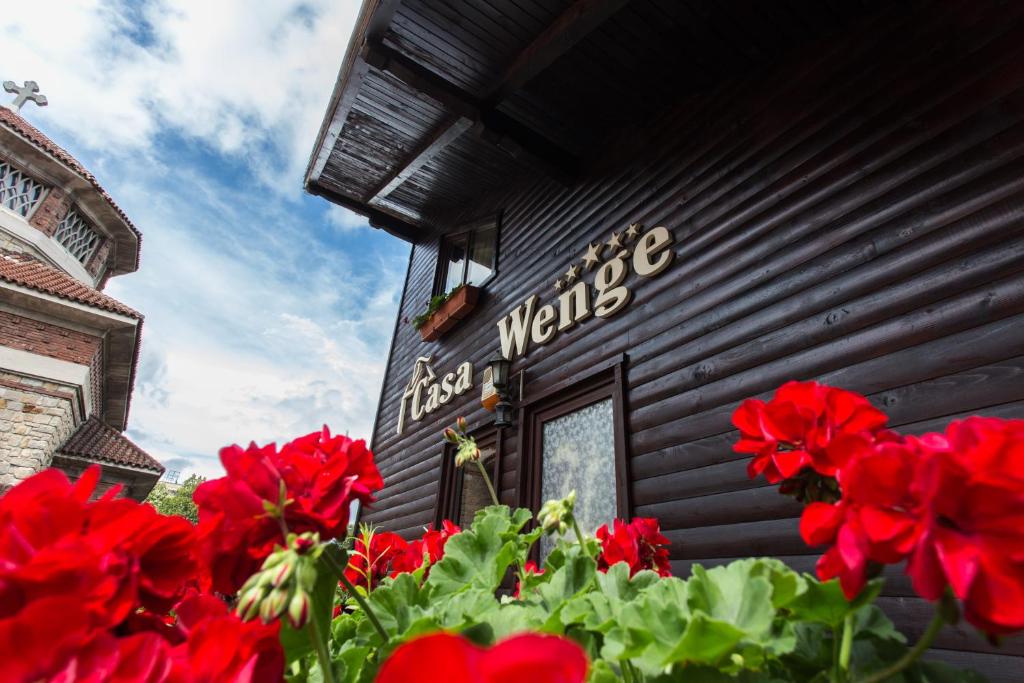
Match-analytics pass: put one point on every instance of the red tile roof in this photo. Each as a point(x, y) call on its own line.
point(26, 130)
point(28, 271)
point(95, 440)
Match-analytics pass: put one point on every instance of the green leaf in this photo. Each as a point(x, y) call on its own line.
point(602, 672)
point(461, 610)
point(478, 557)
point(574, 576)
point(616, 582)
point(349, 663)
point(401, 606)
point(705, 641)
point(733, 594)
point(821, 602)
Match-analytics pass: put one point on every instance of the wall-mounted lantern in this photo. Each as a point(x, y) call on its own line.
point(499, 368)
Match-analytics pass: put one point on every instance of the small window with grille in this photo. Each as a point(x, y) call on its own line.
point(77, 236)
point(18, 192)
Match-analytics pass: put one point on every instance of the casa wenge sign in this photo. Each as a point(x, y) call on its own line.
point(647, 253)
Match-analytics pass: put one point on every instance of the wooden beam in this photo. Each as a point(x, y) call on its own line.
point(572, 26)
point(381, 220)
point(482, 116)
point(428, 148)
point(487, 122)
point(373, 20)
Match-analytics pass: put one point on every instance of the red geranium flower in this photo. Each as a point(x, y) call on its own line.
point(878, 518)
point(795, 428)
point(221, 647)
point(972, 525)
point(368, 565)
point(321, 474)
point(453, 659)
point(72, 570)
point(530, 569)
point(114, 554)
point(639, 543)
point(430, 548)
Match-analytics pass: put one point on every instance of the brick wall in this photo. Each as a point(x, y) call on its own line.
point(46, 339)
point(36, 417)
point(51, 211)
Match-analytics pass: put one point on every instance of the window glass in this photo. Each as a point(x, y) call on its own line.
point(481, 255)
point(456, 257)
point(475, 495)
point(578, 453)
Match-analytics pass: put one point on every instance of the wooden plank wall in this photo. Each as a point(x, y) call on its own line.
point(853, 215)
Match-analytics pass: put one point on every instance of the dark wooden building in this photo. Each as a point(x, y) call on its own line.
point(841, 183)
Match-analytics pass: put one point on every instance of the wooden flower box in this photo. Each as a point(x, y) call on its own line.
point(457, 307)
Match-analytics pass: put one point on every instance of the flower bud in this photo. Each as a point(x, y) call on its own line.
point(249, 604)
point(307, 576)
point(298, 609)
point(283, 572)
point(273, 605)
point(450, 436)
point(306, 542)
point(275, 558)
point(468, 452)
point(555, 516)
point(462, 424)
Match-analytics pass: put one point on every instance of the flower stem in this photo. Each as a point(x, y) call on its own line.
point(321, 650)
point(846, 648)
point(938, 621)
point(487, 480)
point(579, 534)
point(359, 598)
point(627, 671)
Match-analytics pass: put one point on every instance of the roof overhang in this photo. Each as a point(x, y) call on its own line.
point(437, 108)
point(121, 336)
point(83, 191)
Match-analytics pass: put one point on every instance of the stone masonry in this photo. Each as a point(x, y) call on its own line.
point(36, 417)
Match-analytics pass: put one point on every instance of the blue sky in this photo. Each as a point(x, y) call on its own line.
point(268, 312)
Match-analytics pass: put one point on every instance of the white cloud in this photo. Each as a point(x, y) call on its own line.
point(345, 220)
point(241, 76)
point(262, 321)
point(256, 329)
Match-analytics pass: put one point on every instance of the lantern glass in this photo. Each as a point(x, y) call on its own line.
point(503, 414)
point(499, 372)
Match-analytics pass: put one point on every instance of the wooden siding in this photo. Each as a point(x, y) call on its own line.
point(855, 215)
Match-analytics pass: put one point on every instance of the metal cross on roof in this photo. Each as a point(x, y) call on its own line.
point(24, 94)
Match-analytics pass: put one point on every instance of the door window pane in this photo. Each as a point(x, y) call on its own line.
point(481, 256)
point(579, 453)
point(474, 490)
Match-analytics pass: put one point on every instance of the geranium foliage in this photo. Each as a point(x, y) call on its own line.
point(267, 587)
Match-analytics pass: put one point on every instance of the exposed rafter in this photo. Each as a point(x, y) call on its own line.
point(373, 20)
point(377, 218)
point(469, 112)
point(481, 116)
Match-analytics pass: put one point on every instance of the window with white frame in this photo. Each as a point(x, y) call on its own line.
point(18, 192)
point(77, 236)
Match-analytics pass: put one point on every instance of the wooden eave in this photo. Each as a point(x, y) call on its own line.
point(440, 103)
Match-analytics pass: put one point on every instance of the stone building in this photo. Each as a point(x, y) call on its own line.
point(68, 352)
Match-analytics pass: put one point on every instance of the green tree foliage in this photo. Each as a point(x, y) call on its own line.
point(169, 500)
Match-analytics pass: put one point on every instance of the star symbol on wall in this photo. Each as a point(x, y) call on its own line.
point(614, 243)
point(593, 255)
point(633, 231)
point(572, 273)
point(558, 285)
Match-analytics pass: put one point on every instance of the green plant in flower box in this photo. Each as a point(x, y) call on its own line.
point(435, 303)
